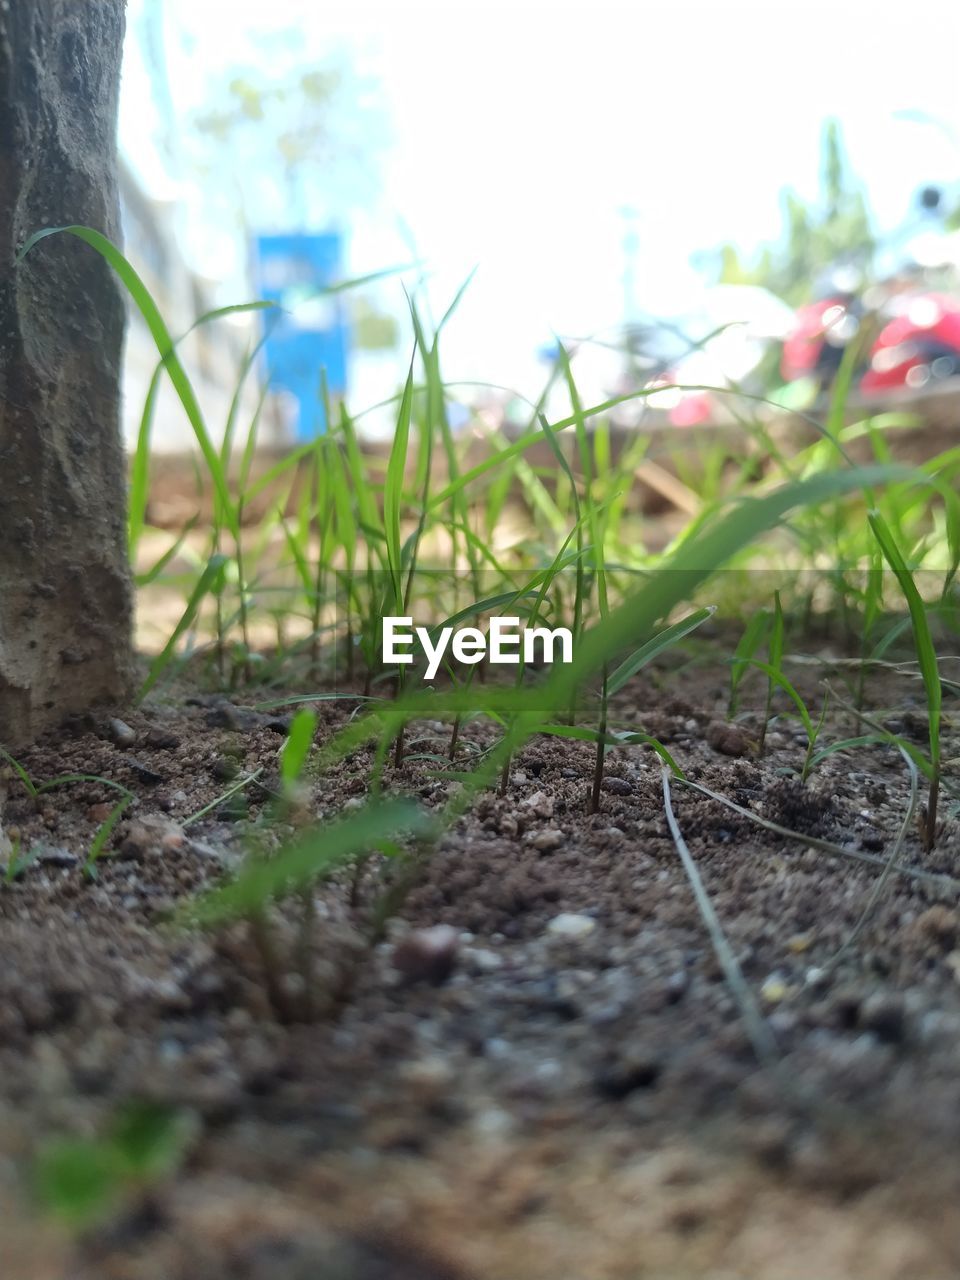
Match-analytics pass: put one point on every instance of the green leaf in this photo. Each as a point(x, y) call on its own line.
point(149, 1138)
point(393, 490)
point(77, 1180)
point(296, 749)
point(308, 859)
point(753, 637)
point(775, 649)
point(156, 569)
point(103, 834)
point(780, 680)
point(658, 644)
point(923, 640)
point(204, 586)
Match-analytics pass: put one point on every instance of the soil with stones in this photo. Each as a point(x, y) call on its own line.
point(540, 1071)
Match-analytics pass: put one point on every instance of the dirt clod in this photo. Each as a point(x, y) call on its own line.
point(427, 955)
point(729, 739)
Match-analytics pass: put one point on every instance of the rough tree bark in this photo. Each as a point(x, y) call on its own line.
point(65, 595)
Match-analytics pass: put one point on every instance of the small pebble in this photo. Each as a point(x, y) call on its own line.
point(480, 960)
point(547, 841)
point(122, 734)
point(774, 989)
point(540, 803)
point(166, 993)
point(493, 1122)
point(937, 926)
point(675, 987)
point(145, 773)
point(497, 1049)
point(617, 786)
point(427, 1078)
point(57, 858)
point(570, 924)
point(150, 835)
point(427, 955)
point(799, 943)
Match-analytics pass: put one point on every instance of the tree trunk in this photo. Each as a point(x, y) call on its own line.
point(65, 594)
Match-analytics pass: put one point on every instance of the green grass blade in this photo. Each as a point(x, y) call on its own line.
point(658, 644)
point(103, 834)
point(204, 586)
point(393, 490)
point(308, 859)
point(157, 568)
point(926, 650)
point(164, 343)
point(753, 637)
point(296, 749)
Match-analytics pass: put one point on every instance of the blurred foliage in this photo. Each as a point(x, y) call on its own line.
point(308, 140)
point(817, 237)
point(295, 132)
point(297, 144)
point(372, 329)
point(81, 1180)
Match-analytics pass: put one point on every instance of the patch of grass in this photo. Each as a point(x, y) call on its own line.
point(540, 523)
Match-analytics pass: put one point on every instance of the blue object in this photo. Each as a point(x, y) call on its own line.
point(309, 333)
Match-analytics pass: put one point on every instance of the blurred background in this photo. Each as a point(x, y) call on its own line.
point(680, 193)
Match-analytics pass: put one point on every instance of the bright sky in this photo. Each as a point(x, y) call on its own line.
point(521, 130)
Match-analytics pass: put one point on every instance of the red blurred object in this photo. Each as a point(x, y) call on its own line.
point(925, 330)
point(802, 348)
point(917, 341)
point(695, 408)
